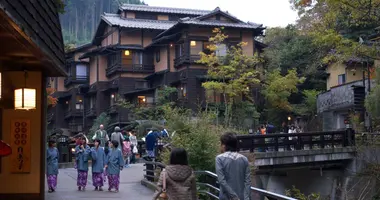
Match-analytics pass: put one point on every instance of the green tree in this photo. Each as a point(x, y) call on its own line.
point(288, 48)
point(372, 103)
point(104, 119)
point(337, 25)
point(277, 89)
point(80, 18)
point(231, 75)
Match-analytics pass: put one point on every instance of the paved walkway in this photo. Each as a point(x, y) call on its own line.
point(130, 186)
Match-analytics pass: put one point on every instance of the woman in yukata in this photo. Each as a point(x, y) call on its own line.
point(98, 163)
point(52, 157)
point(114, 165)
point(82, 153)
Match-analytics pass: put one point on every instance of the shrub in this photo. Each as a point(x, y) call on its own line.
point(197, 135)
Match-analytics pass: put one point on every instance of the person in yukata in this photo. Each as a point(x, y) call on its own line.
point(114, 164)
point(98, 163)
point(82, 153)
point(52, 157)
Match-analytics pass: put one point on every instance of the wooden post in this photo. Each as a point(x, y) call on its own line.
point(322, 140)
point(276, 143)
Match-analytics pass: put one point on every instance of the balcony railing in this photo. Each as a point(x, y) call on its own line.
point(142, 68)
point(76, 80)
point(338, 97)
point(73, 113)
point(91, 112)
point(186, 59)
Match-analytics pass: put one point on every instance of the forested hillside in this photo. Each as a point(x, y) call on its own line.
point(81, 18)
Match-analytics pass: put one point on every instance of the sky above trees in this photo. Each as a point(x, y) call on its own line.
point(271, 13)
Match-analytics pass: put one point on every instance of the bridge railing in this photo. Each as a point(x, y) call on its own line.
point(207, 183)
point(296, 141)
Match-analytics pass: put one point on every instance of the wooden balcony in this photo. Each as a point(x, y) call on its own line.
point(339, 97)
point(73, 113)
point(76, 80)
point(91, 113)
point(113, 109)
point(133, 68)
point(186, 59)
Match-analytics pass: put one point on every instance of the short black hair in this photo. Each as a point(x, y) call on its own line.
point(98, 140)
point(51, 142)
point(115, 143)
point(126, 139)
point(178, 156)
point(230, 141)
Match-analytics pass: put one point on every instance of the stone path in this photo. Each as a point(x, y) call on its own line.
point(130, 186)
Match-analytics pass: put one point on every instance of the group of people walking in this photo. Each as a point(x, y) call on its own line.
point(108, 157)
point(177, 180)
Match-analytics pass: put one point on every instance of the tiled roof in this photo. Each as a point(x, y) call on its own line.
point(222, 24)
point(146, 8)
point(115, 20)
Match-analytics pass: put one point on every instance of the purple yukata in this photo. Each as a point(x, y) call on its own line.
point(98, 162)
point(82, 157)
point(115, 164)
point(52, 157)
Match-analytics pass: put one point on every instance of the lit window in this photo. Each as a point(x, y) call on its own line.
point(141, 100)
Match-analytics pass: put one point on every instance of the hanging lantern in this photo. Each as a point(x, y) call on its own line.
point(25, 98)
point(126, 52)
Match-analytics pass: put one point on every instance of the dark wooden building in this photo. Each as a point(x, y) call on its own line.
point(142, 48)
point(32, 50)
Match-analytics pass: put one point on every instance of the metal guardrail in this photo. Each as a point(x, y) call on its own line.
point(211, 188)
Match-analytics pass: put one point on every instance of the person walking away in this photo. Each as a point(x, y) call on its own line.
point(134, 143)
point(150, 142)
point(177, 179)
point(82, 153)
point(102, 135)
point(114, 165)
point(233, 170)
point(126, 151)
point(117, 136)
point(52, 157)
point(98, 163)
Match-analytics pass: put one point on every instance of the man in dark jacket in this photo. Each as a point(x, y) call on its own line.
point(233, 170)
point(150, 142)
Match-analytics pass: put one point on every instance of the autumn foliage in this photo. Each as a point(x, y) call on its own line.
point(52, 101)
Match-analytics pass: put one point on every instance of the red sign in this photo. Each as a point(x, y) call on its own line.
point(5, 149)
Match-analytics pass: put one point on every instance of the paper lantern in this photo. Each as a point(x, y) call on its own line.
point(126, 52)
point(25, 99)
point(193, 43)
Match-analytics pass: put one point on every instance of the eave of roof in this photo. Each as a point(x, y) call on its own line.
point(79, 48)
point(116, 20)
point(218, 11)
point(102, 50)
point(157, 9)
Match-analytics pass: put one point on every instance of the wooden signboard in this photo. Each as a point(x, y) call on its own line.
point(20, 143)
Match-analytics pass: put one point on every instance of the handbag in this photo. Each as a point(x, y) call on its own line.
point(135, 150)
point(163, 195)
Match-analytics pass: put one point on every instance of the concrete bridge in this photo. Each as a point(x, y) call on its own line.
point(322, 162)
